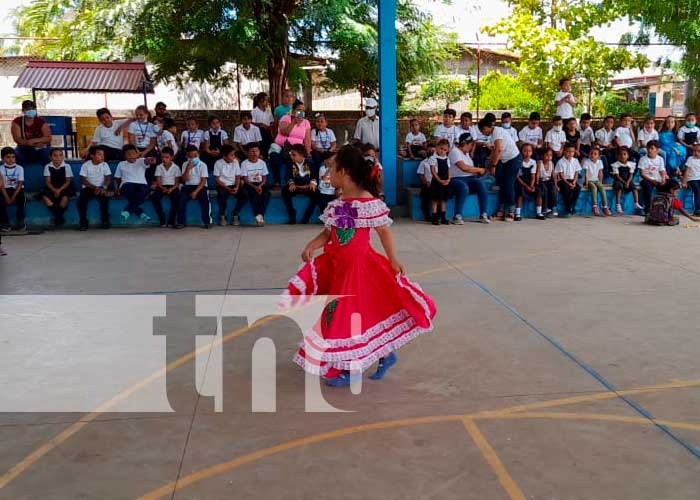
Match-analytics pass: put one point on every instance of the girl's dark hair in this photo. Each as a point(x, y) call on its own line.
point(168, 123)
point(167, 150)
point(297, 103)
point(485, 122)
point(128, 147)
point(259, 97)
point(665, 126)
point(351, 160)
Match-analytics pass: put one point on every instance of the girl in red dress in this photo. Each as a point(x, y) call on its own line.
point(376, 308)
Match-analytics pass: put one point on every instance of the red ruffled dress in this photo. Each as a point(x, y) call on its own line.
point(373, 311)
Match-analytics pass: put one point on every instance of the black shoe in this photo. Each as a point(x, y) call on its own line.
point(696, 213)
point(206, 226)
point(178, 226)
point(292, 221)
point(540, 217)
point(106, 225)
point(436, 220)
point(518, 218)
point(83, 227)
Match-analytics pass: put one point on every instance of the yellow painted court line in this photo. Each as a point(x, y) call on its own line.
point(230, 465)
point(491, 457)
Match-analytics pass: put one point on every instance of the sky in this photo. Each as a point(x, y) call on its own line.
point(466, 17)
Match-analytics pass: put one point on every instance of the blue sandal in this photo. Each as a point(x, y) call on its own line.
point(342, 380)
point(384, 365)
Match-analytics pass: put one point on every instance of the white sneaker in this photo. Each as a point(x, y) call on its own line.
point(222, 220)
point(259, 221)
point(236, 221)
point(458, 220)
point(484, 219)
point(555, 214)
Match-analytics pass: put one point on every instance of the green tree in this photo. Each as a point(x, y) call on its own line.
point(448, 89)
point(502, 91)
point(193, 41)
point(553, 41)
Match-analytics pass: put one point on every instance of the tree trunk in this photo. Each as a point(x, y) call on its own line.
point(277, 76)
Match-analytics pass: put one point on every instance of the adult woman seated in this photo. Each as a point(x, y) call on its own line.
point(32, 135)
point(293, 128)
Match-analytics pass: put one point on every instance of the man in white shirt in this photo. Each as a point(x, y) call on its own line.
point(367, 127)
point(109, 134)
point(565, 100)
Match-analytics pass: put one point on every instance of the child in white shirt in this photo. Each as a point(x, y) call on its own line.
point(646, 134)
point(689, 133)
point(691, 176)
point(191, 136)
point(130, 180)
point(164, 137)
point(546, 179)
point(168, 186)
point(568, 169)
point(653, 173)
point(58, 177)
point(426, 178)
point(326, 191)
point(227, 176)
point(507, 125)
point(556, 138)
point(532, 134)
point(254, 174)
point(323, 141)
point(95, 178)
point(246, 134)
point(12, 190)
point(623, 179)
point(624, 136)
point(447, 129)
point(415, 141)
point(526, 183)
point(214, 139)
point(587, 135)
point(565, 100)
point(141, 132)
point(593, 179)
point(194, 177)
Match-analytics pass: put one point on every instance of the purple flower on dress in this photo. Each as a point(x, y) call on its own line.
point(345, 215)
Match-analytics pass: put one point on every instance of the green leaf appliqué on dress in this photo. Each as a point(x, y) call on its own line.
point(330, 309)
point(344, 235)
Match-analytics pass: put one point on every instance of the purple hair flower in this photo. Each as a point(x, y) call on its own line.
point(345, 215)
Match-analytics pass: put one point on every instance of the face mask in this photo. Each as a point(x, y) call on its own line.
point(557, 129)
point(506, 125)
point(30, 113)
point(194, 162)
point(369, 113)
point(156, 129)
point(690, 124)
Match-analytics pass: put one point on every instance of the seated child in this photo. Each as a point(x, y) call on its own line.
point(587, 136)
point(245, 134)
point(323, 141)
point(168, 186)
point(227, 175)
point(507, 125)
point(326, 191)
point(593, 178)
point(526, 183)
point(192, 136)
point(689, 133)
point(547, 183)
point(653, 173)
point(130, 180)
point(415, 141)
point(440, 182)
point(302, 181)
point(532, 134)
point(604, 138)
point(556, 138)
point(194, 178)
point(646, 134)
point(567, 170)
point(141, 132)
point(623, 175)
point(214, 139)
point(95, 178)
point(58, 177)
point(624, 136)
point(691, 177)
point(12, 191)
point(665, 204)
point(370, 153)
point(447, 129)
point(426, 177)
point(254, 173)
point(164, 137)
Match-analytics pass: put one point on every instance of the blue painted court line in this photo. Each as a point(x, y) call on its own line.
point(586, 367)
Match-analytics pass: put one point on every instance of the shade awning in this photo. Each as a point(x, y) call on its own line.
point(70, 76)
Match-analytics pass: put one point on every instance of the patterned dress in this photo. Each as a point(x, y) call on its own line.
point(374, 311)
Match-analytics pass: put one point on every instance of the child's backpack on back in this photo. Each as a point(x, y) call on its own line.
point(661, 212)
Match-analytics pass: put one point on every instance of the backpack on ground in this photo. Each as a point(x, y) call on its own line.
point(661, 212)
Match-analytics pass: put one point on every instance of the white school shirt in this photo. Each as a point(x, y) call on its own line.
point(419, 138)
point(652, 167)
point(615, 167)
point(592, 169)
point(568, 168)
point(132, 173)
point(244, 136)
point(624, 137)
point(546, 173)
point(449, 133)
point(222, 133)
point(565, 110)
point(530, 135)
point(687, 130)
point(509, 149)
point(168, 175)
point(227, 172)
point(587, 136)
point(104, 136)
point(512, 132)
point(433, 161)
point(530, 165)
point(555, 139)
point(424, 170)
point(324, 181)
point(323, 139)
point(645, 136)
point(254, 171)
point(693, 168)
point(143, 133)
point(605, 137)
point(12, 176)
point(50, 166)
point(95, 174)
point(195, 138)
point(262, 116)
point(166, 138)
point(456, 155)
point(197, 173)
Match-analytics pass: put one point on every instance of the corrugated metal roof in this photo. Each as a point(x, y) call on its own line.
point(70, 76)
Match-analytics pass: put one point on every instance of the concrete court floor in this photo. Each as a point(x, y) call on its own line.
point(508, 398)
